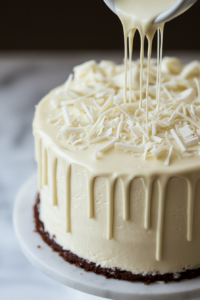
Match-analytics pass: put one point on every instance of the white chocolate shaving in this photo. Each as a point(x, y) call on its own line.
point(169, 156)
point(106, 133)
point(108, 146)
point(119, 129)
point(124, 136)
point(98, 139)
point(113, 123)
point(96, 104)
point(156, 139)
point(128, 147)
point(136, 132)
point(142, 130)
point(170, 143)
point(156, 151)
point(130, 123)
point(106, 104)
point(73, 137)
point(174, 115)
point(87, 112)
point(94, 127)
point(154, 128)
point(190, 120)
point(123, 110)
point(100, 101)
point(67, 116)
point(67, 131)
point(192, 141)
point(77, 141)
point(178, 140)
point(67, 102)
point(186, 132)
point(59, 122)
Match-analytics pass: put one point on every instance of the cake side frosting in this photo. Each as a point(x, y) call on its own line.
point(132, 247)
point(84, 114)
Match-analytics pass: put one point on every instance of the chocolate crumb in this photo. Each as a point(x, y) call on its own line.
point(39, 246)
point(107, 272)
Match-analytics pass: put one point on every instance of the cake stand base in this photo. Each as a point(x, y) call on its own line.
point(54, 266)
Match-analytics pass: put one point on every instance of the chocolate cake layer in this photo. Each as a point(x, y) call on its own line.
point(114, 273)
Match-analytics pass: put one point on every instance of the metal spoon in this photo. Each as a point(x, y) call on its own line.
point(178, 8)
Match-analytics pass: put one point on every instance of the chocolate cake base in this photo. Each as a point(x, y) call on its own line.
point(107, 272)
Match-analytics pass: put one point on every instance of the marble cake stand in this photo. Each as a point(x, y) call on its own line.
point(54, 266)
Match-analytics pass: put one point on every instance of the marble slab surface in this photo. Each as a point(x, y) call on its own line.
point(24, 80)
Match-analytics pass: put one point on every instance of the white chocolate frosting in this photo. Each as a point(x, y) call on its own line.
point(89, 111)
point(98, 162)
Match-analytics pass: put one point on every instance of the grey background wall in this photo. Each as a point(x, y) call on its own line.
point(81, 25)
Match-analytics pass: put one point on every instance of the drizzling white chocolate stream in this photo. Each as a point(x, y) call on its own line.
point(141, 16)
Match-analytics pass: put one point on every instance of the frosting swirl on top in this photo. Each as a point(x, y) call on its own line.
point(89, 109)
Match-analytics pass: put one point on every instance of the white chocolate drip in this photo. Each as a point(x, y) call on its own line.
point(110, 211)
point(53, 166)
point(159, 66)
point(68, 198)
point(147, 213)
point(126, 190)
point(90, 196)
point(131, 38)
point(191, 195)
point(141, 16)
point(39, 157)
point(45, 166)
point(161, 208)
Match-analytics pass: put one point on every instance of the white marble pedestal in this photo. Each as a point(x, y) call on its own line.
point(54, 266)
